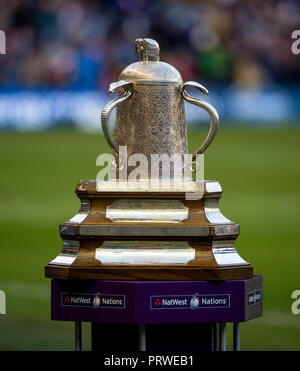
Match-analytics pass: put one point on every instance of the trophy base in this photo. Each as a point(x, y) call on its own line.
point(137, 234)
point(149, 273)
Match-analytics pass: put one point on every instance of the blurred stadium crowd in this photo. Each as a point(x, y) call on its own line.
point(84, 44)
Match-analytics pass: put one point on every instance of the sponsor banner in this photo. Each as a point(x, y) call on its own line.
point(254, 297)
point(93, 300)
point(195, 301)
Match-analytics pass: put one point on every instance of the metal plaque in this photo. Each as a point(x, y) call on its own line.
point(144, 252)
point(167, 211)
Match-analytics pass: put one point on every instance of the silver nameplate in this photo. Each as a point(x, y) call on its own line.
point(167, 211)
point(147, 185)
point(144, 252)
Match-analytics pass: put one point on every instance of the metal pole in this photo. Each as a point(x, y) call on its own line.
point(78, 344)
point(222, 336)
point(142, 338)
point(236, 336)
point(214, 336)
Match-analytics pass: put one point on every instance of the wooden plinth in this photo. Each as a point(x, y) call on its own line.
point(185, 239)
point(149, 273)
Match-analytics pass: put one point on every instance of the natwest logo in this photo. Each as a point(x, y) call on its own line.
point(195, 301)
point(67, 299)
point(93, 300)
point(190, 301)
point(157, 302)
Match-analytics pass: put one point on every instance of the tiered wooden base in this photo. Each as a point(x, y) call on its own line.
point(149, 235)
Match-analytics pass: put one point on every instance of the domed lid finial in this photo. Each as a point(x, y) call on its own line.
point(147, 49)
point(149, 69)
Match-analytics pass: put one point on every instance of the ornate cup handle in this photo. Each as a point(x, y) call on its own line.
point(105, 114)
point(214, 117)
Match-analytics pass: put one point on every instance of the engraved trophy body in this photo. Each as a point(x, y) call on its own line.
point(143, 233)
point(150, 115)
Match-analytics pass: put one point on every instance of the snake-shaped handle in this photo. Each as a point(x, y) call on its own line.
point(106, 112)
point(214, 117)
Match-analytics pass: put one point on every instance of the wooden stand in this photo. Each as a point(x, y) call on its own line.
point(137, 234)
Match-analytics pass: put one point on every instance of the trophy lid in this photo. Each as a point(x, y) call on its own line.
point(149, 68)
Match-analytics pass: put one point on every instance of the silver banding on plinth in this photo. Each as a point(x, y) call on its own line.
point(211, 206)
point(225, 254)
point(68, 254)
point(213, 213)
point(145, 252)
point(138, 230)
point(83, 212)
point(151, 211)
point(146, 185)
point(213, 187)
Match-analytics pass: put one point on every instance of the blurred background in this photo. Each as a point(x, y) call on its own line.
point(62, 55)
point(54, 78)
